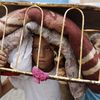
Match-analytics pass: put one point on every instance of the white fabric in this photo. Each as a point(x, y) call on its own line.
point(46, 90)
point(25, 60)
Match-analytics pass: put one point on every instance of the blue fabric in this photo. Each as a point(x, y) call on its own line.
point(89, 95)
point(41, 1)
point(50, 1)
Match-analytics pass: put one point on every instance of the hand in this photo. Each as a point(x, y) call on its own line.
point(61, 72)
point(3, 58)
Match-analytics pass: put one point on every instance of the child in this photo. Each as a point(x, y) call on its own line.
point(93, 94)
point(46, 90)
point(95, 40)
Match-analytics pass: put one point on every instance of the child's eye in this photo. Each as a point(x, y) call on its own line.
point(47, 49)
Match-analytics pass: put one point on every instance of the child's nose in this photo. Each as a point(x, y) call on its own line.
point(42, 54)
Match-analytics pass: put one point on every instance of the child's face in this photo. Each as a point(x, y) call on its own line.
point(97, 44)
point(46, 57)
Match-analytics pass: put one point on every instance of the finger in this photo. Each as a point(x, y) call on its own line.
point(3, 53)
point(3, 58)
point(1, 65)
point(3, 62)
point(6, 51)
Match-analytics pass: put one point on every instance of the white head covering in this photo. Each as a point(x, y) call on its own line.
point(25, 60)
